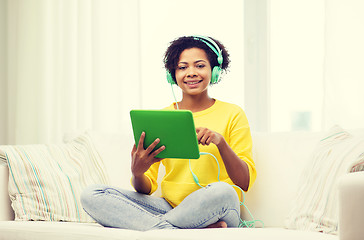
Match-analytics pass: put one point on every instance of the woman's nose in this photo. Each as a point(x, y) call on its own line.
point(191, 72)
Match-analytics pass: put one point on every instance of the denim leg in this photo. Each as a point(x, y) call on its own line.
point(215, 202)
point(113, 207)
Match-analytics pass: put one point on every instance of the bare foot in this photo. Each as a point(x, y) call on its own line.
point(220, 224)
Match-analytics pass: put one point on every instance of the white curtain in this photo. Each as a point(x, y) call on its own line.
point(344, 64)
point(74, 65)
point(71, 65)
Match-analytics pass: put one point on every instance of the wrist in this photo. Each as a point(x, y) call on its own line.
point(138, 175)
point(222, 144)
point(141, 184)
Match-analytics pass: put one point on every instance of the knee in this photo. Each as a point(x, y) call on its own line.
point(89, 195)
point(222, 188)
point(224, 192)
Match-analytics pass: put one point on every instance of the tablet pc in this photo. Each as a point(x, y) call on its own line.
point(175, 129)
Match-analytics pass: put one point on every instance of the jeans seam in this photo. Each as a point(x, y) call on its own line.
point(197, 225)
point(128, 202)
point(136, 201)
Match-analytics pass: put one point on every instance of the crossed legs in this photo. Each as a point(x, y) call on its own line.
point(216, 205)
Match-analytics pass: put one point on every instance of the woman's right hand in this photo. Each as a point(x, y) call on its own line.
point(142, 158)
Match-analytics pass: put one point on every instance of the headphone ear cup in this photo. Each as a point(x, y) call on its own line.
point(215, 74)
point(170, 78)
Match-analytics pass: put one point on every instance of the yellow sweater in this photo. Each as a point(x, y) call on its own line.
point(230, 121)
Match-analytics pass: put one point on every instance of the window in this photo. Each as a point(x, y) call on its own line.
point(296, 64)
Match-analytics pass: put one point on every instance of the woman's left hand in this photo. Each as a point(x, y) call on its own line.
point(206, 136)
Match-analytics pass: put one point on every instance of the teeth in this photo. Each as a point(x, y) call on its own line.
point(193, 82)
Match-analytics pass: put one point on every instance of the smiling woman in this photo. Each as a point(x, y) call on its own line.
point(222, 131)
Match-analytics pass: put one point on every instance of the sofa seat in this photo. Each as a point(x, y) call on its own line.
point(11, 230)
point(37, 230)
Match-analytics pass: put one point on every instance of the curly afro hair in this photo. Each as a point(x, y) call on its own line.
point(177, 46)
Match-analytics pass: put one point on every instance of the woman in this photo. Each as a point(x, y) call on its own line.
point(193, 63)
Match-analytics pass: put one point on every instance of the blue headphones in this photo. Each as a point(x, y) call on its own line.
point(216, 71)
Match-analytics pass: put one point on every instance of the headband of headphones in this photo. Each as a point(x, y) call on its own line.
point(215, 74)
point(212, 45)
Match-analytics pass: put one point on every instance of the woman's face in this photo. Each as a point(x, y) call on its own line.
point(193, 72)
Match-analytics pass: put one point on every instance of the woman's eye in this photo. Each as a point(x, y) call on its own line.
point(200, 66)
point(182, 67)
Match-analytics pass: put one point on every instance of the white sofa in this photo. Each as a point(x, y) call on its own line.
point(280, 159)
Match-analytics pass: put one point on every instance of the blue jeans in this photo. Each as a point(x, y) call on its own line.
point(113, 207)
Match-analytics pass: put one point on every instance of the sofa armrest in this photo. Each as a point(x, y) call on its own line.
point(351, 199)
point(6, 212)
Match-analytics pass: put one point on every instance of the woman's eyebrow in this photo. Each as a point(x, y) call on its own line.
point(197, 61)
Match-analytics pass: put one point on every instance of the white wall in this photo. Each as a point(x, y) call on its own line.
point(3, 115)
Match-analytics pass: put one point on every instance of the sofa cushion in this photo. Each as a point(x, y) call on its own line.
point(316, 203)
point(115, 150)
point(46, 180)
point(279, 158)
point(2, 158)
point(45, 230)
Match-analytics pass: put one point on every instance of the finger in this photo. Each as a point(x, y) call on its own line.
point(204, 140)
point(200, 134)
point(156, 152)
point(134, 149)
point(208, 141)
point(152, 146)
point(210, 138)
point(141, 141)
point(198, 129)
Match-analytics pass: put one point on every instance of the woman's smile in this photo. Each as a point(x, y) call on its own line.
point(193, 84)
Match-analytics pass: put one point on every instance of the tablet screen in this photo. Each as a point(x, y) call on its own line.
point(175, 129)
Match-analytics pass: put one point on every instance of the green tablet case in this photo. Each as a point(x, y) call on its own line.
point(175, 129)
